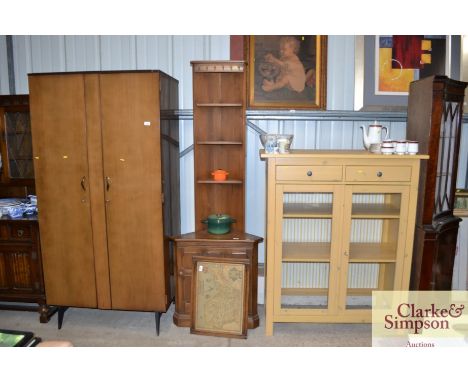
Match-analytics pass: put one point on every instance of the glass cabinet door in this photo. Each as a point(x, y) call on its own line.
point(307, 247)
point(375, 241)
point(17, 158)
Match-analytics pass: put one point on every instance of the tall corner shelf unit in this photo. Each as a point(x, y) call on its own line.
point(340, 225)
point(219, 104)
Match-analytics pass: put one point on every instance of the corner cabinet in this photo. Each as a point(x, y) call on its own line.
point(219, 137)
point(107, 187)
point(234, 246)
point(340, 225)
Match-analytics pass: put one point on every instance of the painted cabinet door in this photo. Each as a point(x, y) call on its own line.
point(307, 245)
point(59, 131)
point(374, 244)
point(132, 175)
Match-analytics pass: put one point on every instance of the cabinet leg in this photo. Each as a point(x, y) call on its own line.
point(268, 328)
point(61, 312)
point(45, 312)
point(157, 316)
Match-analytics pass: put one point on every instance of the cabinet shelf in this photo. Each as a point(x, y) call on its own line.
point(320, 253)
point(375, 211)
point(210, 181)
point(220, 143)
point(324, 291)
point(304, 291)
point(306, 252)
point(219, 104)
point(307, 210)
point(372, 253)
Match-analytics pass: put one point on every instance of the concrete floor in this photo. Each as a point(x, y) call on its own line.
point(98, 328)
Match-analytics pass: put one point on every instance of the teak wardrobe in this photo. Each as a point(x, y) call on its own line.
point(107, 184)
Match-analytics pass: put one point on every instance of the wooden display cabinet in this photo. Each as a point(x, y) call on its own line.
point(219, 137)
point(21, 276)
point(435, 111)
point(340, 225)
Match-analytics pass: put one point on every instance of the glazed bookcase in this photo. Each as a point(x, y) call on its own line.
point(435, 111)
point(340, 225)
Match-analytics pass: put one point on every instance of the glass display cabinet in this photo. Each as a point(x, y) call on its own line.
point(340, 225)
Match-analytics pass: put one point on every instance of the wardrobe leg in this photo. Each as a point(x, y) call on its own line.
point(157, 316)
point(61, 312)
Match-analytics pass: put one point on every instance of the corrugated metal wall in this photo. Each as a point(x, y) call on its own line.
point(172, 54)
point(3, 66)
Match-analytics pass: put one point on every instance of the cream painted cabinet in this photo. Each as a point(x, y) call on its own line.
point(340, 225)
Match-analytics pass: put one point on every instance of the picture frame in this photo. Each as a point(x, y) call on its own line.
point(220, 296)
point(287, 72)
point(366, 98)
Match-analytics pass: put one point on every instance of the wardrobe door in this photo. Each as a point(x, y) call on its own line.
point(132, 171)
point(57, 104)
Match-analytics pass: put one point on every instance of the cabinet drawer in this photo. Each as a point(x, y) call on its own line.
point(309, 173)
point(188, 252)
point(20, 232)
point(378, 173)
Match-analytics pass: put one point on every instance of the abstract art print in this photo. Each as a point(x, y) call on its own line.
point(399, 60)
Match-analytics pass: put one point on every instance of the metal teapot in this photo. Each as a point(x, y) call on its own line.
point(373, 134)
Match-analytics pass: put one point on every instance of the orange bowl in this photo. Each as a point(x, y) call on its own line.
point(219, 175)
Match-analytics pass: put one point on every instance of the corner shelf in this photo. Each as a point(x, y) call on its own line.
point(219, 104)
point(221, 182)
point(219, 143)
point(219, 99)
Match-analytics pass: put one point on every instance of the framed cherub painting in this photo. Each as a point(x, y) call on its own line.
point(287, 72)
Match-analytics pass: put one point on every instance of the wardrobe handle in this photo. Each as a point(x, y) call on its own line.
point(108, 183)
point(83, 183)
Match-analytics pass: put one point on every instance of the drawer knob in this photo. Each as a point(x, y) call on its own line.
point(379, 174)
point(309, 173)
point(181, 273)
point(20, 232)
